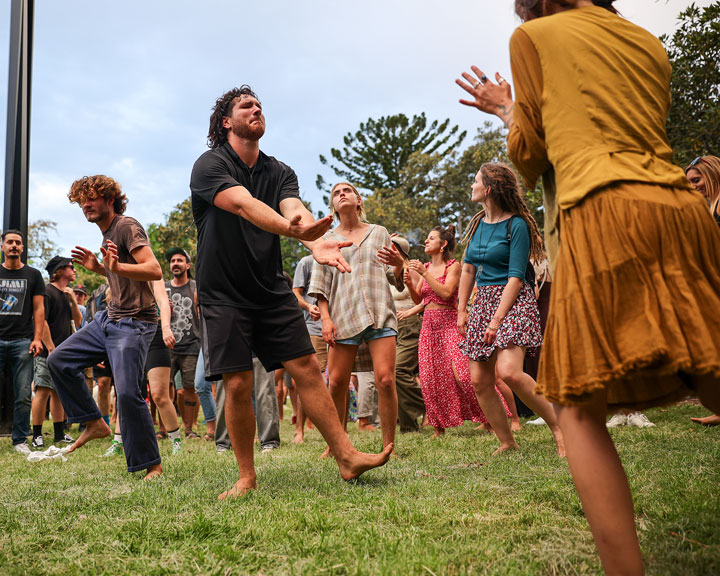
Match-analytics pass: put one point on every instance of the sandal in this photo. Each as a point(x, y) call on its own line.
point(210, 437)
point(192, 435)
point(161, 435)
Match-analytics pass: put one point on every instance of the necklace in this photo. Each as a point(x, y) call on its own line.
point(481, 257)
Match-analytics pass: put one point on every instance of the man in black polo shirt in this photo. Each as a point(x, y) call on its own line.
point(242, 201)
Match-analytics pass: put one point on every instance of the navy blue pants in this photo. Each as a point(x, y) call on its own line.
point(126, 342)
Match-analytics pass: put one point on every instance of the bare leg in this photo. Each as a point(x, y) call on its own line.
point(509, 367)
point(39, 403)
point(602, 485)
point(240, 420)
point(279, 376)
point(515, 424)
point(382, 351)
point(191, 404)
point(318, 406)
point(157, 382)
point(482, 375)
point(299, 436)
point(104, 395)
point(340, 362)
point(180, 397)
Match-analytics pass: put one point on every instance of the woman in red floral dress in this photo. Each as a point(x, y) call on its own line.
point(444, 376)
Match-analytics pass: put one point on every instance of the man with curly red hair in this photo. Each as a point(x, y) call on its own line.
point(123, 331)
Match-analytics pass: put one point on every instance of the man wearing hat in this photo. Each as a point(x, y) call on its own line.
point(61, 314)
point(184, 324)
point(81, 295)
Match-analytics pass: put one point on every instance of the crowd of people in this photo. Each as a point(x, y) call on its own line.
point(440, 342)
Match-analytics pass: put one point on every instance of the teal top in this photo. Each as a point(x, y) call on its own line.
point(494, 257)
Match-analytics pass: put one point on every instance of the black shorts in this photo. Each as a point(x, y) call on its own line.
point(231, 335)
point(158, 355)
point(102, 370)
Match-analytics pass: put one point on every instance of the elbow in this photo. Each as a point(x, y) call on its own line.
point(156, 272)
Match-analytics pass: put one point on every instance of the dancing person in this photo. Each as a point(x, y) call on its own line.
point(504, 320)
point(635, 306)
point(358, 307)
point(22, 318)
point(62, 317)
point(242, 201)
point(123, 332)
point(444, 372)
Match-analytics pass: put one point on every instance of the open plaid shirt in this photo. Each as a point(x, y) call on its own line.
point(362, 297)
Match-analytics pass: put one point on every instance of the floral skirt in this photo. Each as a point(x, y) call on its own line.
point(521, 325)
point(635, 304)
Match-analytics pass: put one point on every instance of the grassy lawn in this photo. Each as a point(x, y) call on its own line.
point(441, 507)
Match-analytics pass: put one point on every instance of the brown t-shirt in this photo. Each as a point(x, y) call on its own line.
point(128, 298)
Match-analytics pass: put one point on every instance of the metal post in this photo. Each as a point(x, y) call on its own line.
point(17, 149)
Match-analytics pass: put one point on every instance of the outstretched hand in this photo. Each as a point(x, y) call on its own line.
point(327, 252)
point(390, 256)
point(487, 95)
point(110, 256)
point(309, 232)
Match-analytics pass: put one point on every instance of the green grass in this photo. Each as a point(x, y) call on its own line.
point(441, 507)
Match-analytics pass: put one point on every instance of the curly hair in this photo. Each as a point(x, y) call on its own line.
point(531, 9)
point(361, 210)
point(446, 235)
point(217, 134)
point(506, 194)
point(90, 187)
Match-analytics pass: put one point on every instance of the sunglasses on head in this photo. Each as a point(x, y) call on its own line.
point(697, 161)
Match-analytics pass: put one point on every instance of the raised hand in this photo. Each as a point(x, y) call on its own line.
point(327, 252)
point(110, 256)
point(417, 267)
point(85, 258)
point(391, 256)
point(487, 95)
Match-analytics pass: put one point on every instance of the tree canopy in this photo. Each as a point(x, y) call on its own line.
point(694, 50)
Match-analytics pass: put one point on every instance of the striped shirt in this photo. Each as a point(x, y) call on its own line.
point(361, 298)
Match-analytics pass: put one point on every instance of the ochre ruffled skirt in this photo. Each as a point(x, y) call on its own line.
point(635, 304)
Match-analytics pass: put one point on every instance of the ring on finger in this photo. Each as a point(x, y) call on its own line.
point(476, 84)
point(483, 79)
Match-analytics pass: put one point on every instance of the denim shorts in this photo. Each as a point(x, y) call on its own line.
point(368, 334)
point(42, 374)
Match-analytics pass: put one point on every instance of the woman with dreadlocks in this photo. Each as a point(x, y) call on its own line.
point(504, 320)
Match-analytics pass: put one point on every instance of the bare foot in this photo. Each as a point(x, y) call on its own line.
point(559, 442)
point(506, 448)
point(485, 427)
point(360, 462)
point(713, 420)
point(241, 488)
point(298, 438)
point(439, 432)
point(326, 453)
point(153, 472)
point(366, 427)
point(515, 425)
point(93, 429)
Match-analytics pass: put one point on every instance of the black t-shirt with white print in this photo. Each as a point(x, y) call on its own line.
point(17, 288)
point(238, 264)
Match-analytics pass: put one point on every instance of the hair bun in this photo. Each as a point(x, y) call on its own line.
point(451, 229)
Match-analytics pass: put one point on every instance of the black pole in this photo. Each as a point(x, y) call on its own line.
point(17, 148)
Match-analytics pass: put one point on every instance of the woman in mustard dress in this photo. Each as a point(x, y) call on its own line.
point(635, 308)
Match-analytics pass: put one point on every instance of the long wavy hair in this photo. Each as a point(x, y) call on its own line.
point(506, 195)
point(709, 168)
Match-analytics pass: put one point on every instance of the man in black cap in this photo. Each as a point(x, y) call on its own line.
point(81, 295)
point(61, 313)
point(21, 324)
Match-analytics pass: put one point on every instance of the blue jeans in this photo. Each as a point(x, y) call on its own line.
point(204, 390)
point(126, 342)
point(15, 355)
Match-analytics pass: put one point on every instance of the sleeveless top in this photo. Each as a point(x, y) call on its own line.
point(429, 294)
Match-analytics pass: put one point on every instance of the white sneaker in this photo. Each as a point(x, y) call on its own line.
point(23, 449)
point(639, 420)
point(38, 442)
point(617, 420)
point(267, 449)
point(537, 422)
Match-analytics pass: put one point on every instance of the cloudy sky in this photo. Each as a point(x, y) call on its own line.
point(126, 88)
